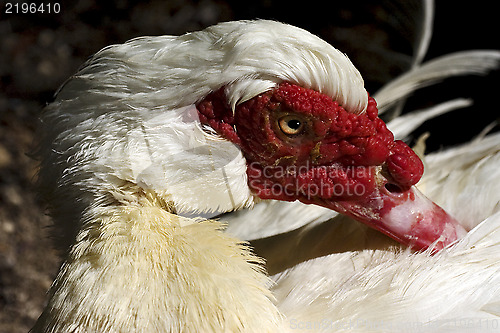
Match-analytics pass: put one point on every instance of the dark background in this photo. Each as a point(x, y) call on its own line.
point(39, 51)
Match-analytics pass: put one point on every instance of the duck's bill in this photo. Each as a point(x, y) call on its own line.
point(407, 216)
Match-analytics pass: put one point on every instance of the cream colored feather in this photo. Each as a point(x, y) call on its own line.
point(138, 268)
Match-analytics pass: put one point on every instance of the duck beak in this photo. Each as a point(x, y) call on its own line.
point(407, 216)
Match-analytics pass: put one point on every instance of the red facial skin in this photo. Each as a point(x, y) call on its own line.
point(336, 159)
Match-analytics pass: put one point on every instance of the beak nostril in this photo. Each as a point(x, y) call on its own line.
point(393, 188)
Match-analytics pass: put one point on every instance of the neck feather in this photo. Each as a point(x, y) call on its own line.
point(138, 267)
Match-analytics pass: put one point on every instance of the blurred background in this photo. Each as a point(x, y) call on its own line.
point(39, 51)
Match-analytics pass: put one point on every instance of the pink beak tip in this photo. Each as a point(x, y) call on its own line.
point(408, 217)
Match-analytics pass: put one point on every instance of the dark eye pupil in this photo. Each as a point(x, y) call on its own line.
point(294, 124)
point(290, 125)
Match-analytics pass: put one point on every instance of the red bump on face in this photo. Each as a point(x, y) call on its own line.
point(335, 152)
point(215, 112)
point(404, 166)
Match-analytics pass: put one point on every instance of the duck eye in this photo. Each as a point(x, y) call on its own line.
point(291, 125)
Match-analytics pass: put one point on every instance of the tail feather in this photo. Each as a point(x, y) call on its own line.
point(460, 63)
point(402, 126)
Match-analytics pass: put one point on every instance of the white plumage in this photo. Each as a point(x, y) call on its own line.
point(127, 169)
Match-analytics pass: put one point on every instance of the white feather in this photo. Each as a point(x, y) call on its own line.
point(464, 180)
point(390, 291)
point(424, 39)
point(403, 125)
point(271, 217)
point(459, 63)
